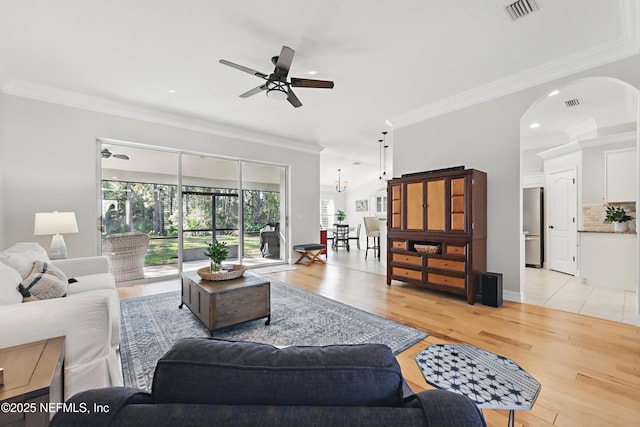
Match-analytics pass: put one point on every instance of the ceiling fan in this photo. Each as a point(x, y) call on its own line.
point(276, 85)
point(105, 154)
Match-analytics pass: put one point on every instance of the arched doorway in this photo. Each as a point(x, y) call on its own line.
point(564, 138)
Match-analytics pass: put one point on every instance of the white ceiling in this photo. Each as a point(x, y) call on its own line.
point(602, 103)
point(397, 61)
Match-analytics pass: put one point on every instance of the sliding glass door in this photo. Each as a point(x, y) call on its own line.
point(180, 202)
point(263, 196)
point(139, 211)
point(210, 208)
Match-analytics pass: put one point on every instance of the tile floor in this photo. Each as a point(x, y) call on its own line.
point(561, 291)
point(542, 287)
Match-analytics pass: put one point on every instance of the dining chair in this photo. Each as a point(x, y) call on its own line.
point(341, 236)
point(357, 236)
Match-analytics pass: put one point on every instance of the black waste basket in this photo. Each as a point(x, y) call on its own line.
point(491, 289)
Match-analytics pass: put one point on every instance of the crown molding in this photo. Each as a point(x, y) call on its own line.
point(581, 144)
point(26, 89)
point(626, 45)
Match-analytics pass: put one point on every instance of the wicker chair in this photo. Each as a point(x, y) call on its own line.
point(126, 253)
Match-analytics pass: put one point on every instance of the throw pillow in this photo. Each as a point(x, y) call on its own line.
point(21, 257)
point(9, 281)
point(45, 282)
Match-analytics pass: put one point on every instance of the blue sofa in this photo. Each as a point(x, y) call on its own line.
point(209, 382)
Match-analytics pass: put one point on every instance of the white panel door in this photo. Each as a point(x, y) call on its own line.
point(561, 211)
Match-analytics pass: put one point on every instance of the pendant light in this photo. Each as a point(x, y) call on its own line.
point(380, 152)
point(341, 186)
point(383, 177)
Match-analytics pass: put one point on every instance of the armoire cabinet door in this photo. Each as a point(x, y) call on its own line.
point(415, 206)
point(396, 207)
point(435, 205)
point(457, 205)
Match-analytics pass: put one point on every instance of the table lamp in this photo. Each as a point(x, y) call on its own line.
point(56, 223)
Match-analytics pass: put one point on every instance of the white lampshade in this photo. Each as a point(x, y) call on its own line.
point(55, 223)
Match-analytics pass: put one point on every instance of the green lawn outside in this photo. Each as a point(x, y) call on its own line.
point(165, 250)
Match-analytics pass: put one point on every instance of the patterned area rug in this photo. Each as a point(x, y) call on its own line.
point(150, 326)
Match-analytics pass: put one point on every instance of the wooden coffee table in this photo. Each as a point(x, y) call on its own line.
point(226, 302)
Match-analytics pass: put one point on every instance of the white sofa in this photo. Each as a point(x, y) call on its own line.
point(89, 316)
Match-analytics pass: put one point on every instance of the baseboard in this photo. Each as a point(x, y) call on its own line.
point(513, 296)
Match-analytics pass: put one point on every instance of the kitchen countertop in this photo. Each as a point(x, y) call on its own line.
point(607, 232)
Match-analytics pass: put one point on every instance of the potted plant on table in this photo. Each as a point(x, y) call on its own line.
point(341, 216)
point(619, 217)
point(217, 252)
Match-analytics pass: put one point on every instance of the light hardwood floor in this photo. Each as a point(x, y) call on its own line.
point(589, 368)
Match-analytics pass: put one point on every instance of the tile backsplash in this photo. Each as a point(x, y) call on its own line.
point(593, 216)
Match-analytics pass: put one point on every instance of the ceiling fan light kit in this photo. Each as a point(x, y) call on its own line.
point(277, 91)
point(277, 87)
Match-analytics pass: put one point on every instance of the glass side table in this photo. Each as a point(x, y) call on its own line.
point(490, 380)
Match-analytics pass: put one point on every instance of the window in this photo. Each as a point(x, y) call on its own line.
point(327, 212)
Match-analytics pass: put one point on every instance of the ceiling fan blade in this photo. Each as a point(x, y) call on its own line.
point(323, 84)
point(284, 61)
point(243, 68)
point(293, 99)
point(254, 91)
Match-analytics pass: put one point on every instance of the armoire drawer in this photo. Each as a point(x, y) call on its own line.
point(407, 259)
point(405, 272)
point(440, 279)
point(399, 244)
point(455, 250)
point(445, 264)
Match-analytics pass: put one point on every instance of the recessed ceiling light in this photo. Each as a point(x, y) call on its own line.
point(554, 93)
point(312, 73)
point(171, 91)
point(534, 125)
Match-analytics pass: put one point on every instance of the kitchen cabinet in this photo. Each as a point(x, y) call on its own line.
point(609, 260)
point(437, 233)
point(621, 175)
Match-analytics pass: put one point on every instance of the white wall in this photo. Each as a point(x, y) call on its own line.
point(531, 162)
point(49, 164)
point(484, 137)
point(363, 192)
point(487, 137)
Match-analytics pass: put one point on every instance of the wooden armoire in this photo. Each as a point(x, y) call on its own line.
point(437, 230)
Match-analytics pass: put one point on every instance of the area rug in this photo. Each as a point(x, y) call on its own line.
point(152, 324)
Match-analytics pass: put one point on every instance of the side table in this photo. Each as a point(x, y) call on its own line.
point(490, 380)
point(33, 379)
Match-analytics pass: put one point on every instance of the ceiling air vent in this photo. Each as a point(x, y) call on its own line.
point(520, 9)
point(572, 103)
